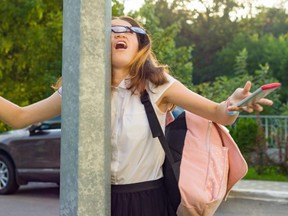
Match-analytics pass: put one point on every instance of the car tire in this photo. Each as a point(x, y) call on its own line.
point(8, 182)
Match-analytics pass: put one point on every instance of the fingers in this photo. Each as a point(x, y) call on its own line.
point(251, 108)
point(241, 93)
point(255, 107)
point(265, 102)
point(234, 109)
point(247, 88)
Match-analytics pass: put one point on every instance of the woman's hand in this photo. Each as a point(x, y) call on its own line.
point(242, 93)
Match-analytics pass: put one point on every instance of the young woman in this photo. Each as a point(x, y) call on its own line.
point(137, 158)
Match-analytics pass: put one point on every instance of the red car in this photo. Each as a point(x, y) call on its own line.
point(31, 154)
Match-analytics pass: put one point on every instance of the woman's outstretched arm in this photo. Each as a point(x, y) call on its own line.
point(181, 96)
point(19, 117)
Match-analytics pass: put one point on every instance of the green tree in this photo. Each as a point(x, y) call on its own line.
point(244, 132)
point(224, 86)
point(30, 48)
point(117, 8)
point(263, 50)
point(265, 37)
point(163, 38)
point(268, 21)
point(211, 29)
point(208, 30)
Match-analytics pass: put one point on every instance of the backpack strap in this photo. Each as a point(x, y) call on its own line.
point(151, 115)
point(157, 130)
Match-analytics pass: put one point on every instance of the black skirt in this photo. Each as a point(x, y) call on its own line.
point(140, 199)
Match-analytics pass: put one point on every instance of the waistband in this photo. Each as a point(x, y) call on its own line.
point(136, 187)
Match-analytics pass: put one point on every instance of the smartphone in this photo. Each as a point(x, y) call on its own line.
point(261, 92)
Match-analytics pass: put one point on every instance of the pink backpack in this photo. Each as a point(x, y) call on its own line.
point(202, 162)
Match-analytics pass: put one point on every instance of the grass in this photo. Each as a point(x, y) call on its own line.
point(268, 173)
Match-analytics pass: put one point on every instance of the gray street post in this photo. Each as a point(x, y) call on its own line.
point(85, 141)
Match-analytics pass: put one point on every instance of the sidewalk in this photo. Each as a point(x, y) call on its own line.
point(261, 190)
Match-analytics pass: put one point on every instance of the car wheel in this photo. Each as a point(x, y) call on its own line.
point(8, 182)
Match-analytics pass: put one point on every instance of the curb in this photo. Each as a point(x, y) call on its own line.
point(261, 195)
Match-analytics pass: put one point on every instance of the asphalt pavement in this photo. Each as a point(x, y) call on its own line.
point(34, 199)
point(39, 199)
point(256, 198)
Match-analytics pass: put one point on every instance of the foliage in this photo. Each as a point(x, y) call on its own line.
point(266, 51)
point(268, 21)
point(223, 86)
point(244, 133)
point(284, 109)
point(265, 38)
point(117, 8)
point(218, 33)
point(217, 39)
point(270, 173)
point(225, 51)
point(30, 48)
point(207, 31)
point(178, 59)
point(249, 135)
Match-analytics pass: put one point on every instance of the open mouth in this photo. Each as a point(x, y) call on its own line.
point(121, 45)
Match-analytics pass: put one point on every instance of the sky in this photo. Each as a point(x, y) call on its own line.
point(135, 4)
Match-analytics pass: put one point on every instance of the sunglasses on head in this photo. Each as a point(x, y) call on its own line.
point(127, 29)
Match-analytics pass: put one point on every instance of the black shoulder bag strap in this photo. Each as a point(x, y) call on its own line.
point(157, 130)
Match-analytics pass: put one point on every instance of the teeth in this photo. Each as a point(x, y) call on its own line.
point(121, 45)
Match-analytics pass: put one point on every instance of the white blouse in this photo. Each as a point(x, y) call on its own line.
point(136, 155)
point(60, 91)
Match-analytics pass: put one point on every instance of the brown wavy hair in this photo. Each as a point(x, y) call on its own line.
point(144, 67)
point(57, 85)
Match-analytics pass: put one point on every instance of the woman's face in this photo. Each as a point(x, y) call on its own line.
point(124, 45)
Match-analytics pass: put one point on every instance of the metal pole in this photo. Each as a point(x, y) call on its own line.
point(85, 153)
